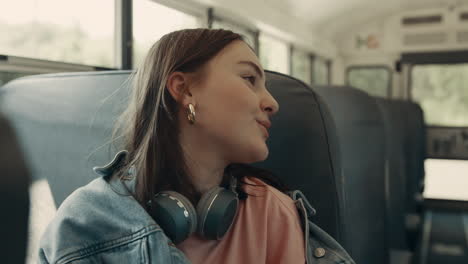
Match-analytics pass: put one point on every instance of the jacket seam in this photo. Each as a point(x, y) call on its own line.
point(101, 247)
point(143, 258)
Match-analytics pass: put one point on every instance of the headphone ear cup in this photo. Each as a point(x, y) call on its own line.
point(216, 211)
point(174, 213)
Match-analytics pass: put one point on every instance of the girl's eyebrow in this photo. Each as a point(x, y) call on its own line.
point(255, 66)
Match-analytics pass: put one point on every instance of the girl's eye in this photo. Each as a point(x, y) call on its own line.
point(250, 78)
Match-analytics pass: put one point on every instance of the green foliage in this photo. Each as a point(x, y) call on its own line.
point(442, 91)
point(374, 81)
point(320, 72)
point(301, 66)
point(56, 43)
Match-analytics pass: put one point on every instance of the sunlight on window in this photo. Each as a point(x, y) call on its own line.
point(274, 54)
point(151, 21)
point(301, 65)
point(373, 80)
point(446, 179)
point(249, 35)
point(321, 71)
point(42, 210)
point(442, 92)
point(71, 31)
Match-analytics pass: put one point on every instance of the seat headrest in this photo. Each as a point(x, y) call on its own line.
point(63, 120)
point(361, 134)
point(395, 135)
point(304, 149)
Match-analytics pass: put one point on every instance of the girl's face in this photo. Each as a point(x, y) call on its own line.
point(233, 106)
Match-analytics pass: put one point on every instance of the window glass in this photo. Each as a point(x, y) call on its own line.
point(320, 71)
point(71, 31)
point(249, 35)
point(301, 65)
point(151, 21)
point(446, 179)
point(6, 76)
point(373, 80)
point(274, 54)
point(442, 92)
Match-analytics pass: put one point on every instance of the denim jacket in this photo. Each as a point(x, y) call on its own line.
point(102, 223)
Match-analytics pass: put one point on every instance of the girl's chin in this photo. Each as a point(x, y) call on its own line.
point(255, 153)
point(261, 154)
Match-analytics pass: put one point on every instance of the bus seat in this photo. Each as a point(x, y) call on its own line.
point(62, 121)
point(65, 119)
point(396, 174)
point(14, 198)
point(304, 150)
point(415, 153)
point(360, 130)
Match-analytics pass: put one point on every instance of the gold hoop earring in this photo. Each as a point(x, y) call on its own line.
point(191, 114)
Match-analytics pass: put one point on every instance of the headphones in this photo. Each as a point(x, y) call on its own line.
point(175, 214)
point(211, 219)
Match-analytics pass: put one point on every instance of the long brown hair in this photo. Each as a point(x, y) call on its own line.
point(149, 126)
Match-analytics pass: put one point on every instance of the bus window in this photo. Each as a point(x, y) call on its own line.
point(59, 30)
point(301, 65)
point(249, 35)
point(442, 92)
point(152, 20)
point(274, 54)
point(321, 71)
point(375, 80)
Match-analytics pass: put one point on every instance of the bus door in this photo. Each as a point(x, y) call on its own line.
point(439, 83)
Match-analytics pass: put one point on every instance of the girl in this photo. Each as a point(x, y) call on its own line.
point(182, 191)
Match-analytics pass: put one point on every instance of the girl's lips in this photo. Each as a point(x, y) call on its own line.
point(265, 129)
point(265, 123)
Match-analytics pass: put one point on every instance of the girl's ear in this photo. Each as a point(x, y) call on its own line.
point(178, 87)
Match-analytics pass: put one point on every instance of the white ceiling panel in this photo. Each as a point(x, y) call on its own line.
point(332, 17)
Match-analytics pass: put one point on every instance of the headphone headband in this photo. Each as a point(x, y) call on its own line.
point(233, 184)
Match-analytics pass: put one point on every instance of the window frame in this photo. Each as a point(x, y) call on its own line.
point(372, 66)
point(408, 61)
point(309, 55)
point(32, 66)
point(25, 64)
point(123, 42)
point(313, 57)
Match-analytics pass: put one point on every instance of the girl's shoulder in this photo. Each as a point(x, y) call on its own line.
point(255, 187)
point(94, 216)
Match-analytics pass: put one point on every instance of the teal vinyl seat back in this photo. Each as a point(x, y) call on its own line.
point(63, 121)
point(396, 175)
point(361, 135)
point(304, 150)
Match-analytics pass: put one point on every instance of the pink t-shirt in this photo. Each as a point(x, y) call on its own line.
point(266, 229)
